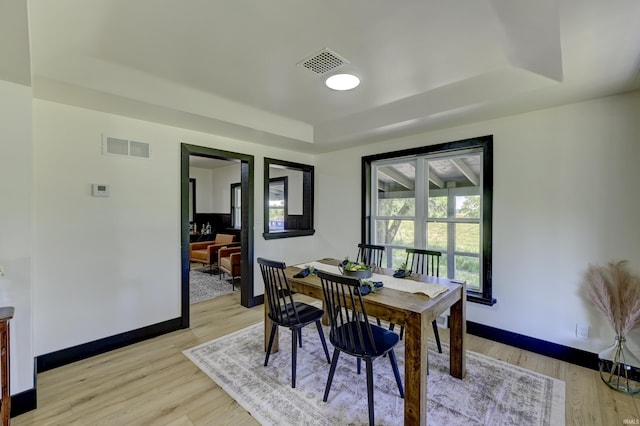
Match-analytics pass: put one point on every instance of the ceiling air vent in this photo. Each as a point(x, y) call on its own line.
point(125, 147)
point(323, 61)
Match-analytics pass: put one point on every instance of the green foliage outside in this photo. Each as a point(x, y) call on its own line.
point(276, 214)
point(400, 232)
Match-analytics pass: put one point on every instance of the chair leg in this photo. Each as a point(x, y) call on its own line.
point(396, 372)
point(271, 337)
point(300, 337)
point(437, 335)
point(369, 367)
point(392, 326)
point(359, 365)
point(332, 370)
point(322, 339)
point(294, 356)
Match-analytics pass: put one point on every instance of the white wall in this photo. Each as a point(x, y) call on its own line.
point(204, 190)
point(104, 266)
point(222, 178)
point(213, 187)
point(565, 195)
point(16, 226)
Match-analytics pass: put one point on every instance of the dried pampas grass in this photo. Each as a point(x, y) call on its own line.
point(615, 291)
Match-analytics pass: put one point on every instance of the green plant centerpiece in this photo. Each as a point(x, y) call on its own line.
point(402, 271)
point(311, 269)
point(355, 269)
point(372, 286)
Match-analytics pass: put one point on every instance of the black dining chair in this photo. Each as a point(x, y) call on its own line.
point(427, 262)
point(352, 333)
point(284, 311)
point(370, 254)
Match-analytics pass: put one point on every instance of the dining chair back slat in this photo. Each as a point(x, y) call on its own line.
point(347, 315)
point(425, 262)
point(279, 296)
point(370, 254)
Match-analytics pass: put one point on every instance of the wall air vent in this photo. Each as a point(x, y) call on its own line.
point(323, 61)
point(125, 147)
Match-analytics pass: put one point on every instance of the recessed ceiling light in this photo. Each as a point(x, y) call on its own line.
point(342, 82)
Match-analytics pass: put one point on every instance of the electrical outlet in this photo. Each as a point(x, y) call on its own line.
point(582, 331)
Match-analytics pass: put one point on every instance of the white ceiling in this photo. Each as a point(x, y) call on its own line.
point(230, 67)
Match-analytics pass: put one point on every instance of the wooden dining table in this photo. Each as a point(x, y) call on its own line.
point(416, 312)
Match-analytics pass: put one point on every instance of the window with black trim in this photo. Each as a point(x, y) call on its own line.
point(278, 197)
point(236, 205)
point(436, 197)
point(288, 199)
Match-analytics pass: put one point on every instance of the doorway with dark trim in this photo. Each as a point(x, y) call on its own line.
point(247, 297)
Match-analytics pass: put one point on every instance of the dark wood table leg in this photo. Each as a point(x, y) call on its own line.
point(415, 370)
point(458, 323)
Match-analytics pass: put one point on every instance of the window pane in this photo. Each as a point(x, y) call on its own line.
point(276, 217)
point(395, 232)
point(238, 197)
point(437, 236)
point(437, 207)
point(397, 207)
point(468, 268)
point(468, 237)
point(442, 272)
point(468, 206)
point(398, 257)
point(396, 184)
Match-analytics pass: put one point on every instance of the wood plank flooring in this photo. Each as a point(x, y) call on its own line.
point(153, 383)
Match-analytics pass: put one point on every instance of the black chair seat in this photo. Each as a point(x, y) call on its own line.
point(306, 315)
point(383, 340)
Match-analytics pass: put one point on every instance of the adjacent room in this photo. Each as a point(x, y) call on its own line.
point(215, 206)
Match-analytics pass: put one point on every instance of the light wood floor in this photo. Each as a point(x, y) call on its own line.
point(153, 383)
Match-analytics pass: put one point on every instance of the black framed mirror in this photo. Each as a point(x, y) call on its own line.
point(288, 199)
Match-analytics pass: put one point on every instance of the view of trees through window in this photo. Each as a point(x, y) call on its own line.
point(277, 204)
point(431, 202)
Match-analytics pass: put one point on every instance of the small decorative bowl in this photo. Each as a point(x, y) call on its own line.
point(361, 274)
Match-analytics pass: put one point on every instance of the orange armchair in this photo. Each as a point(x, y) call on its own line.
point(229, 261)
point(206, 252)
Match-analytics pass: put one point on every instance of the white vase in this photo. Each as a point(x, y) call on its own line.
point(620, 368)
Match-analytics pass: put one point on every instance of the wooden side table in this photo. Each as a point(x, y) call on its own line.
point(6, 313)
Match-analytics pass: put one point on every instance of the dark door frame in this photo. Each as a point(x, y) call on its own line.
point(247, 297)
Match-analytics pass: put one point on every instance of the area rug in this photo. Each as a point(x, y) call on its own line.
point(492, 392)
point(205, 286)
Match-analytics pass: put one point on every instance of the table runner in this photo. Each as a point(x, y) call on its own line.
point(432, 290)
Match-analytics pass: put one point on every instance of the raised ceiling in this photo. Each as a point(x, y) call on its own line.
point(232, 67)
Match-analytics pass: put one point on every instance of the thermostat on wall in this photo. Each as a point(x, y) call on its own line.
point(100, 190)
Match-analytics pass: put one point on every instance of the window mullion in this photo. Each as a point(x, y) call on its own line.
point(421, 195)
